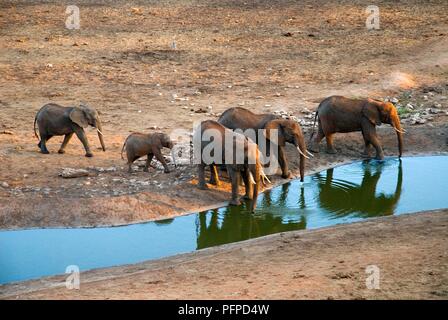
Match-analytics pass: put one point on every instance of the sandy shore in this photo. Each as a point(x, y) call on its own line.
point(228, 54)
point(410, 251)
point(266, 56)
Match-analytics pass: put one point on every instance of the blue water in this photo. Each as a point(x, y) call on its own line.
point(341, 195)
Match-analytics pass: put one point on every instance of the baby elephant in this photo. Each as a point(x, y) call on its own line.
point(139, 144)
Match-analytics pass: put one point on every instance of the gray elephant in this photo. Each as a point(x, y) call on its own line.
point(138, 145)
point(288, 131)
point(55, 120)
point(340, 114)
point(250, 166)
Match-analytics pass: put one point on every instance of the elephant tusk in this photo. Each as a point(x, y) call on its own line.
point(264, 176)
point(251, 178)
point(400, 131)
point(300, 151)
point(99, 131)
point(310, 153)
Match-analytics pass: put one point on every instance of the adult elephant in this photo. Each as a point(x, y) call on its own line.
point(55, 120)
point(288, 131)
point(210, 143)
point(340, 114)
point(342, 198)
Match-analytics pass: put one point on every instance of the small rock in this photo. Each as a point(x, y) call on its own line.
point(73, 173)
point(200, 110)
point(137, 11)
point(417, 119)
point(306, 110)
point(394, 100)
point(5, 184)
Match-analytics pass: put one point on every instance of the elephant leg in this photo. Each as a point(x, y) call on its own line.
point(369, 133)
point(330, 147)
point(366, 152)
point(131, 160)
point(201, 177)
point(43, 143)
point(320, 135)
point(240, 180)
point(377, 145)
point(283, 161)
point(67, 138)
point(248, 185)
point(160, 157)
point(83, 138)
point(148, 162)
point(214, 178)
point(234, 178)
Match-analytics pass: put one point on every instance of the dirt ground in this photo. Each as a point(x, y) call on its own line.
point(263, 55)
point(156, 65)
point(330, 263)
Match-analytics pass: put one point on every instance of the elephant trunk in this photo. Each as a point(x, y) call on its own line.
point(397, 126)
point(301, 147)
point(99, 129)
point(257, 170)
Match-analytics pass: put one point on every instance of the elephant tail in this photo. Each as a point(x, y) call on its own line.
point(34, 126)
point(314, 125)
point(124, 145)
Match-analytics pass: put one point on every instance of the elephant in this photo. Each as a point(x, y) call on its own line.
point(288, 131)
point(362, 200)
point(226, 225)
point(55, 120)
point(139, 144)
point(249, 165)
point(340, 114)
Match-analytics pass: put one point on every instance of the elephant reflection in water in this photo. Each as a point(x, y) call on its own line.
point(343, 198)
point(266, 200)
point(232, 224)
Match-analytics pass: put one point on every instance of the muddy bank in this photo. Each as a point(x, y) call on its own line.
point(71, 209)
point(227, 54)
point(329, 263)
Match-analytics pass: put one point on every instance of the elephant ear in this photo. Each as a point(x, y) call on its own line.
point(78, 116)
point(275, 125)
point(371, 112)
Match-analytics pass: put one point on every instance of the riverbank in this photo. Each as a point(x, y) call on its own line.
point(290, 56)
point(410, 251)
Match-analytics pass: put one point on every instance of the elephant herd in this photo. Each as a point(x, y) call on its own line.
point(334, 114)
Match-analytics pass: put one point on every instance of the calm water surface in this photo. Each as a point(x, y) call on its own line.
point(341, 195)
